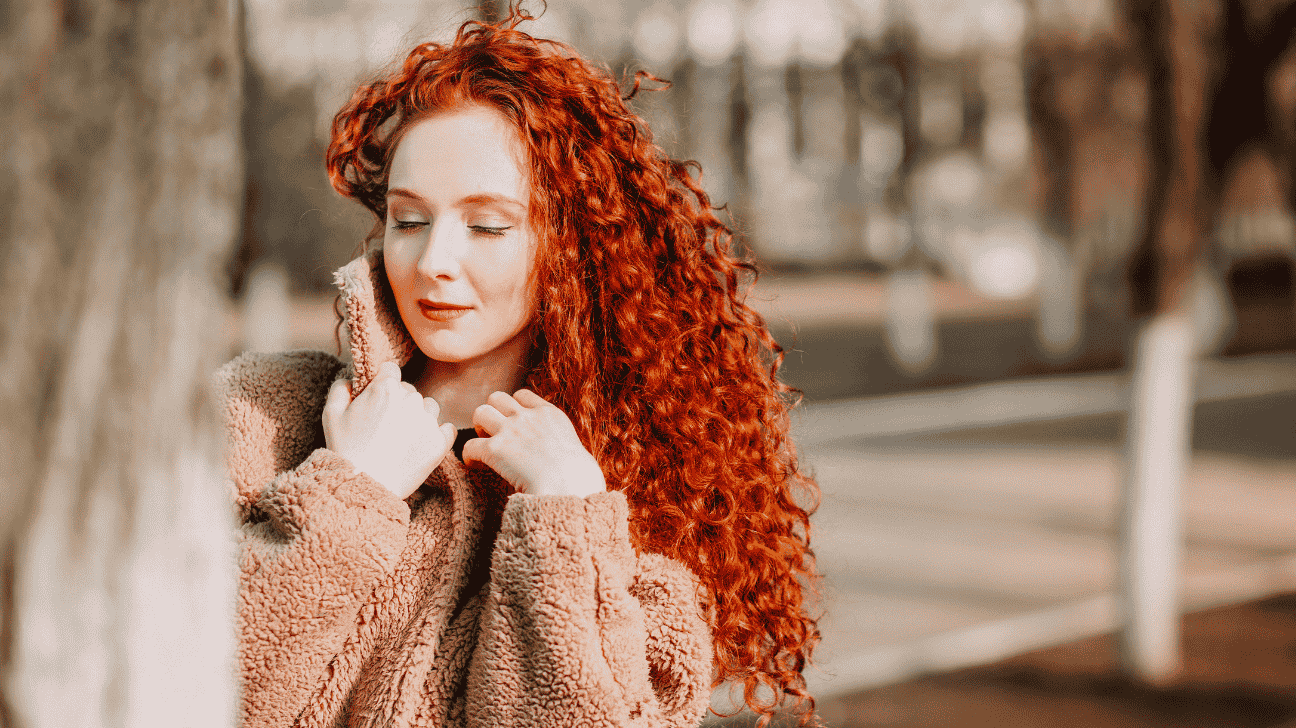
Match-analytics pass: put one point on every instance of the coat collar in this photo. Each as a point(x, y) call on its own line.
point(374, 328)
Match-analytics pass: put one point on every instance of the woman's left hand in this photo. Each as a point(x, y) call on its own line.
point(533, 445)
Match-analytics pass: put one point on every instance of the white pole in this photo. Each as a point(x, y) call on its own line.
point(910, 297)
point(1059, 319)
point(1157, 455)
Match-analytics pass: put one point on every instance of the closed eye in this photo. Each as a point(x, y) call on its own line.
point(407, 224)
point(488, 230)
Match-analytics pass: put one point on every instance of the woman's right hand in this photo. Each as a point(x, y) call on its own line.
point(390, 432)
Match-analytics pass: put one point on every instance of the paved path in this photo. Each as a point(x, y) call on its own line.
point(1238, 672)
point(961, 527)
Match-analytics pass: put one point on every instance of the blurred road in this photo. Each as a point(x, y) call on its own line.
point(1238, 673)
point(987, 528)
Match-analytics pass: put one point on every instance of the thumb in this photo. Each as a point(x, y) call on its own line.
point(339, 396)
point(448, 429)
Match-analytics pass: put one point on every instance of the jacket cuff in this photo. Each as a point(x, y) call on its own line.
point(580, 525)
point(295, 496)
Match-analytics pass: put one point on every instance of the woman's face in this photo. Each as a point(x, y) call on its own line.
point(458, 245)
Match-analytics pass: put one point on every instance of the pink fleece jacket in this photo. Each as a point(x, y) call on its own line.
point(463, 605)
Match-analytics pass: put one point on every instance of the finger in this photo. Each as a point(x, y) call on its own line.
point(449, 433)
point(527, 398)
point(431, 407)
point(387, 370)
point(488, 419)
point(339, 396)
point(506, 405)
point(474, 451)
point(409, 388)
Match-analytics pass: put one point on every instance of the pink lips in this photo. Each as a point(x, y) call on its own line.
point(441, 312)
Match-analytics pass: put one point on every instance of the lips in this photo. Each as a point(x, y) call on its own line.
point(441, 312)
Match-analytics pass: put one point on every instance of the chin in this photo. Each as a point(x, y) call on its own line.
point(451, 346)
point(450, 350)
point(449, 355)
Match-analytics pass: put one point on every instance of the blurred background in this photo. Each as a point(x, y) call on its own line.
point(893, 165)
point(1032, 263)
point(946, 198)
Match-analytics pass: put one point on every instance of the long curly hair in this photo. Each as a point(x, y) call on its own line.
point(642, 334)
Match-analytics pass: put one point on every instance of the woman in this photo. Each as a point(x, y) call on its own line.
point(603, 545)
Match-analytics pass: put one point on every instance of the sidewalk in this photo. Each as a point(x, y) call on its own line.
point(960, 528)
point(1238, 672)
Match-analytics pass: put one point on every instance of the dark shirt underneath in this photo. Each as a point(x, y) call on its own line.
point(461, 439)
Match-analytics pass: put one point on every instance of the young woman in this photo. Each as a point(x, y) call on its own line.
point(554, 485)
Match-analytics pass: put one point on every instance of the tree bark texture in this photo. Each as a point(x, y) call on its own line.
point(1208, 67)
point(119, 122)
point(1181, 44)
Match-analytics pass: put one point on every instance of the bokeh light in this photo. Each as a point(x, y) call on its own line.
point(713, 32)
point(657, 36)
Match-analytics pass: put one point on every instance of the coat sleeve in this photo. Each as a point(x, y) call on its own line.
point(316, 536)
point(579, 630)
point(318, 542)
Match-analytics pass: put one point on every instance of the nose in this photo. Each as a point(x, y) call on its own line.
point(446, 245)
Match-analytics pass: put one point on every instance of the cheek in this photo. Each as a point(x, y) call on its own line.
point(398, 270)
point(510, 297)
point(508, 276)
point(524, 282)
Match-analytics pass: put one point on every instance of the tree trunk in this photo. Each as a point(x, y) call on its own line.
point(1181, 41)
point(1158, 449)
point(120, 123)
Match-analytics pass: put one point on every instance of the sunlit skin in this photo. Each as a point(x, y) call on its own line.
point(459, 253)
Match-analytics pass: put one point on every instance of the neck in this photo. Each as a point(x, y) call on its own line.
point(461, 387)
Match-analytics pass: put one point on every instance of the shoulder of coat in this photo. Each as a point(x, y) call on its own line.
point(271, 405)
point(275, 376)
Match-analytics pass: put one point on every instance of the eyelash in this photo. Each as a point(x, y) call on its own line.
point(406, 225)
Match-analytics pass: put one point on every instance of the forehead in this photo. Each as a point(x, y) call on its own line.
point(460, 152)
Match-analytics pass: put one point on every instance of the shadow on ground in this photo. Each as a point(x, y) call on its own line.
point(1239, 672)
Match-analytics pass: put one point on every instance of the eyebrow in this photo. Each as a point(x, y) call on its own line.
point(478, 199)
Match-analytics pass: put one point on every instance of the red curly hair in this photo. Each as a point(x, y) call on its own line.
point(643, 336)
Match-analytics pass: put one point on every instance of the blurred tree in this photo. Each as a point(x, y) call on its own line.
point(1208, 66)
point(120, 129)
point(293, 219)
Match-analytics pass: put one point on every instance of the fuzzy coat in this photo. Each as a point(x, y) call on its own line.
point(463, 605)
